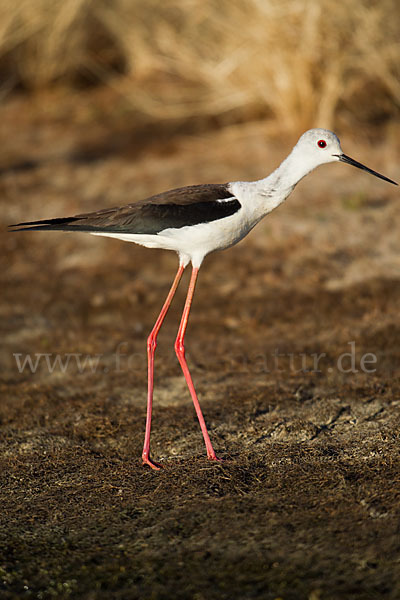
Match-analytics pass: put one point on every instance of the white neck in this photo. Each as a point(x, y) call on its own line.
point(266, 194)
point(288, 174)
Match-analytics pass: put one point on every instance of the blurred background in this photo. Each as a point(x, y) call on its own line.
point(296, 63)
point(105, 102)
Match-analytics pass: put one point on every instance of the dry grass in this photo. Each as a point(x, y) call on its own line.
point(301, 61)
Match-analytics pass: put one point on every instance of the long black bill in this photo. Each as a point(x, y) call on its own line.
point(351, 161)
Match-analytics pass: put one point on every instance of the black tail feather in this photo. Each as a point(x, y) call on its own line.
point(61, 224)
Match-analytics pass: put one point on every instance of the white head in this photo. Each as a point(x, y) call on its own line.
point(319, 146)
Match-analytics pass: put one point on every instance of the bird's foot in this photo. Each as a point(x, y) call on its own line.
point(214, 458)
point(147, 461)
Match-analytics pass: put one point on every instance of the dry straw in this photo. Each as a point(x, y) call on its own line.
point(299, 61)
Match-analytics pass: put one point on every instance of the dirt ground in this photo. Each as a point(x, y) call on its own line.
point(306, 502)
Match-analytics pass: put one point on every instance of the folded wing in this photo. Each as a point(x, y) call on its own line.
point(173, 209)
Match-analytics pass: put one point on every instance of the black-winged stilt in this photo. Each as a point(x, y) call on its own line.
point(196, 220)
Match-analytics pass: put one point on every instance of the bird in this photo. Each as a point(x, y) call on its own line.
point(194, 221)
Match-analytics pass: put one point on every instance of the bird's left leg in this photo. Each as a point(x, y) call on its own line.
point(151, 348)
point(180, 352)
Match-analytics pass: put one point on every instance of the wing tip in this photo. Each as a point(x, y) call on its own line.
point(43, 225)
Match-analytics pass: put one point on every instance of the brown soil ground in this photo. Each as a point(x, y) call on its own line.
point(306, 502)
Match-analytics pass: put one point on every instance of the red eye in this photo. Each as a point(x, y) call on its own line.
point(322, 143)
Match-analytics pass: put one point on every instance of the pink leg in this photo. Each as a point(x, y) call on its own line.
point(151, 348)
point(180, 352)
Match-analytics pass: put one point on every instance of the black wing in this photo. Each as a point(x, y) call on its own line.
point(173, 209)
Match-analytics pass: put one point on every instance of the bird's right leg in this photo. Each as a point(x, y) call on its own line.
point(151, 348)
point(180, 352)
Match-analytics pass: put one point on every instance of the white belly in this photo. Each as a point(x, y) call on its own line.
point(193, 242)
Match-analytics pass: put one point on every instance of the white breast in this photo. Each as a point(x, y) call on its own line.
point(193, 242)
